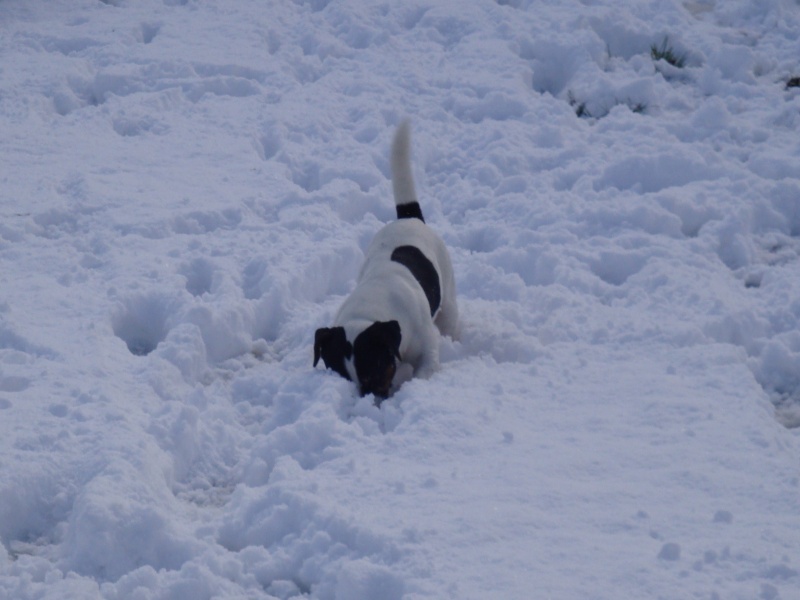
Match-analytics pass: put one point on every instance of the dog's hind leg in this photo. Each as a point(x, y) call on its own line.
point(447, 319)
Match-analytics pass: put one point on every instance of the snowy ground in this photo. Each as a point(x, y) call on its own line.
point(187, 189)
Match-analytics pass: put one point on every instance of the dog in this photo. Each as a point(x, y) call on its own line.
point(404, 297)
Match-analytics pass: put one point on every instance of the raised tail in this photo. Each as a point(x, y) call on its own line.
point(405, 196)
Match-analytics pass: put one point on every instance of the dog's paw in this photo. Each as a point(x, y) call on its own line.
point(405, 372)
point(426, 369)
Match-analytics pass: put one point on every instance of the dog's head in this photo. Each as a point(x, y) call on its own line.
point(374, 354)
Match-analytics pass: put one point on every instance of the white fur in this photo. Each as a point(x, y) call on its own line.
point(386, 290)
point(402, 178)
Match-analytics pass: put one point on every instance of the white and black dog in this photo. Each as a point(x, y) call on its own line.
point(405, 291)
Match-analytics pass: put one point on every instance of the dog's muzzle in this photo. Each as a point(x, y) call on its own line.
point(379, 384)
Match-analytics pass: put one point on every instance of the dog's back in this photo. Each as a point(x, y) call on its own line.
point(411, 244)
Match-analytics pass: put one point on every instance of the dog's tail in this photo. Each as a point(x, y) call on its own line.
point(405, 197)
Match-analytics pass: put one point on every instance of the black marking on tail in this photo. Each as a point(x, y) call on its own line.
point(423, 271)
point(410, 210)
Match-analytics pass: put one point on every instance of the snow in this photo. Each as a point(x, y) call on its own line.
point(188, 189)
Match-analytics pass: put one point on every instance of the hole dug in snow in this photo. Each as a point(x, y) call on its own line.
point(142, 322)
point(616, 267)
point(777, 369)
point(199, 275)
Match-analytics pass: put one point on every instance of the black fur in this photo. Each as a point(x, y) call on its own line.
point(331, 344)
point(410, 210)
point(375, 351)
point(423, 271)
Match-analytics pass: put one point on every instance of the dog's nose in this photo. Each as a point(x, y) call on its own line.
point(380, 392)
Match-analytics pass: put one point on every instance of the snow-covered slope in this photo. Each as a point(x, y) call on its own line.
point(186, 193)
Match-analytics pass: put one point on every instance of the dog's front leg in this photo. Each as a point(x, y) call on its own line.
point(405, 372)
point(428, 363)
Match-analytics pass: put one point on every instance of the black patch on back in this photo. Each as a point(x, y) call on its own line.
point(423, 271)
point(375, 350)
point(410, 210)
point(330, 343)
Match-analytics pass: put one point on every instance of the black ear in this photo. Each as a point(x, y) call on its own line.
point(330, 344)
point(321, 337)
point(328, 338)
point(390, 334)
